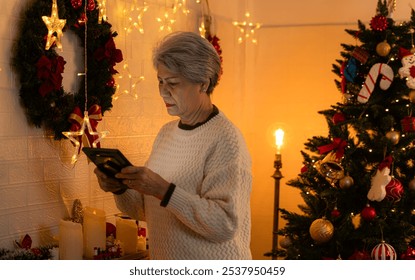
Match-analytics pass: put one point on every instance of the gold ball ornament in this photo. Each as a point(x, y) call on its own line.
point(286, 242)
point(321, 230)
point(393, 136)
point(346, 182)
point(383, 48)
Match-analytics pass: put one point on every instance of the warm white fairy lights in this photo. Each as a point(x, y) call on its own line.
point(180, 5)
point(247, 29)
point(54, 25)
point(133, 82)
point(166, 22)
point(102, 10)
point(80, 136)
point(134, 15)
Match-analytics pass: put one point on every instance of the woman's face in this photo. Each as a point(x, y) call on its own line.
point(182, 97)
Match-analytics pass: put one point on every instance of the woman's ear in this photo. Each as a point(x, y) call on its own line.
point(204, 87)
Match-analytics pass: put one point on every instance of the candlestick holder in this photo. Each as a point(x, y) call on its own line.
point(277, 178)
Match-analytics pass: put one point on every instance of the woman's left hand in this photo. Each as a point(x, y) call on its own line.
point(144, 180)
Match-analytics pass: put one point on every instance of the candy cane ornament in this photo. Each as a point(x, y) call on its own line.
point(386, 73)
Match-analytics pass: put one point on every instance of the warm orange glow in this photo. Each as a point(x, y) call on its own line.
point(279, 139)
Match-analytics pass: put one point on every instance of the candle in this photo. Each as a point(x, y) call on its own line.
point(127, 235)
point(70, 240)
point(279, 137)
point(94, 231)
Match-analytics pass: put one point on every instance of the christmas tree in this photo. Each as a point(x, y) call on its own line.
point(358, 183)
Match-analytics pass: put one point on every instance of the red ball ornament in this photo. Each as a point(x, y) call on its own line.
point(383, 251)
point(335, 213)
point(91, 5)
point(379, 23)
point(394, 190)
point(409, 254)
point(338, 118)
point(76, 4)
point(368, 213)
point(360, 255)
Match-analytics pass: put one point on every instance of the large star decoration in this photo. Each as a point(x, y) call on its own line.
point(74, 137)
point(55, 26)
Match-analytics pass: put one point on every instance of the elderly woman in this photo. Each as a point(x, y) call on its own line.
point(194, 190)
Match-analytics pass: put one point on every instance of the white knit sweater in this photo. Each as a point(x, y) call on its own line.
point(208, 215)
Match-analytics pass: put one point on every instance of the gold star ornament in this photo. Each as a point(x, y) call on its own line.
point(55, 26)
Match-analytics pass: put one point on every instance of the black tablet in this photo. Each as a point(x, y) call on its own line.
point(109, 161)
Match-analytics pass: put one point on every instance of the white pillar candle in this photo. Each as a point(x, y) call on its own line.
point(94, 231)
point(127, 234)
point(70, 240)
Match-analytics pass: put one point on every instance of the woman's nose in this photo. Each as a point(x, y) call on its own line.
point(164, 92)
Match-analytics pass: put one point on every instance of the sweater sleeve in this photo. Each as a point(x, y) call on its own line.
point(132, 203)
point(216, 212)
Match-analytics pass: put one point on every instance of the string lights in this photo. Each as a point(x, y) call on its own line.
point(54, 25)
point(247, 29)
point(86, 133)
point(135, 17)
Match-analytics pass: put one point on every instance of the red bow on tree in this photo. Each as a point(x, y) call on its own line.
point(77, 119)
point(338, 144)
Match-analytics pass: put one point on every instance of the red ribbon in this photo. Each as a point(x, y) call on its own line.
point(387, 162)
point(77, 120)
point(338, 144)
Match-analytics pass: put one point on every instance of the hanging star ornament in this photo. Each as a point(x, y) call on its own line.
point(180, 5)
point(135, 17)
point(80, 136)
point(55, 26)
point(166, 22)
point(247, 29)
point(102, 11)
point(133, 82)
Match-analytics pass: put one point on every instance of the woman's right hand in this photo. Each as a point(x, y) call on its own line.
point(107, 183)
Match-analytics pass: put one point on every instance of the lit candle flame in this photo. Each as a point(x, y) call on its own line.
point(279, 137)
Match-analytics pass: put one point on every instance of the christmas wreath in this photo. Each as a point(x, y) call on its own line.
point(39, 68)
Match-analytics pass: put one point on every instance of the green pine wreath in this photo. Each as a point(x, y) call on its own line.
point(39, 71)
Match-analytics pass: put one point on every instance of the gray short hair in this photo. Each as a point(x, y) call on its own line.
point(190, 55)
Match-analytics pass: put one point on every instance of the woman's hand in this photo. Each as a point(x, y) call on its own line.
point(144, 180)
point(107, 183)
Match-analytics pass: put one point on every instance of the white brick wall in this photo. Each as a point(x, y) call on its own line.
point(38, 184)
